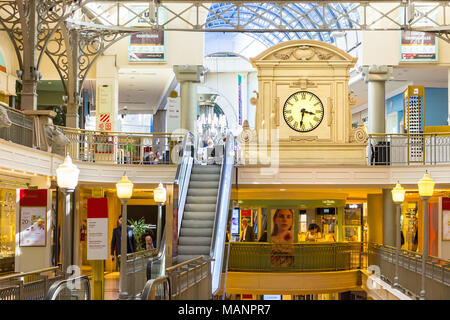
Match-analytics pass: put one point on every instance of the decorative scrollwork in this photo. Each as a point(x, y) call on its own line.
point(303, 53)
point(358, 134)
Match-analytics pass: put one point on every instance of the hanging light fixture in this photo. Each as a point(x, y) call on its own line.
point(124, 188)
point(398, 193)
point(426, 185)
point(159, 194)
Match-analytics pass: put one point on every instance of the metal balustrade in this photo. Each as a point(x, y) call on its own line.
point(295, 257)
point(437, 271)
point(78, 288)
point(21, 129)
point(409, 149)
point(122, 147)
point(30, 285)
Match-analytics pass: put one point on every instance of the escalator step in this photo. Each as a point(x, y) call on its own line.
point(205, 177)
point(191, 250)
point(212, 192)
point(201, 241)
point(206, 169)
point(201, 200)
point(199, 215)
point(203, 184)
point(197, 223)
point(183, 257)
point(200, 207)
point(193, 232)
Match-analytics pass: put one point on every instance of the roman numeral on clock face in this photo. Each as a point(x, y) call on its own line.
point(303, 95)
point(290, 118)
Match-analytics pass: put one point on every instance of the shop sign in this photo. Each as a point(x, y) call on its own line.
point(97, 229)
point(33, 218)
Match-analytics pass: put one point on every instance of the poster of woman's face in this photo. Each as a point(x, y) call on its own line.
point(282, 225)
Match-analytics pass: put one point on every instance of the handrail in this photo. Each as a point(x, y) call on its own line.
point(25, 274)
point(191, 261)
point(56, 288)
point(222, 205)
point(120, 132)
point(152, 285)
point(132, 255)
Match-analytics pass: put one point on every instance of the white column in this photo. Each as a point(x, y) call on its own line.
point(189, 77)
point(376, 76)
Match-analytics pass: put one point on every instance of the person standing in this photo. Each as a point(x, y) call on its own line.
point(117, 240)
point(247, 234)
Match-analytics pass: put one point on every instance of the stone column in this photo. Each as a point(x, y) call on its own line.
point(189, 77)
point(376, 76)
point(389, 223)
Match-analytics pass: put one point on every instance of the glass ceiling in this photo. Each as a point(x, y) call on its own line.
point(251, 11)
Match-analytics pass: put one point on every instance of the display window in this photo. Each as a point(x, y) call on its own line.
point(7, 229)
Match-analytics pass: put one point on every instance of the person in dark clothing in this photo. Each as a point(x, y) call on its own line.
point(247, 234)
point(117, 237)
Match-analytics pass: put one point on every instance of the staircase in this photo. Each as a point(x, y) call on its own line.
point(199, 213)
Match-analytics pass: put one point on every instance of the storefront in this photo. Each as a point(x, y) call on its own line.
point(327, 220)
point(7, 229)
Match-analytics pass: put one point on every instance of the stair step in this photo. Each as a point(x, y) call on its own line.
point(199, 215)
point(203, 184)
point(205, 177)
point(212, 192)
point(191, 250)
point(200, 207)
point(206, 169)
point(197, 223)
point(200, 241)
point(201, 200)
point(196, 232)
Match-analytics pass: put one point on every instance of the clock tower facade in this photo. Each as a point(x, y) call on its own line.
point(303, 110)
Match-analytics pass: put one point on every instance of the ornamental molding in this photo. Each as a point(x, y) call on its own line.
point(303, 53)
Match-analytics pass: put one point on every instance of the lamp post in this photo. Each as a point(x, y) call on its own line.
point(426, 188)
point(67, 179)
point(124, 191)
point(398, 195)
point(159, 195)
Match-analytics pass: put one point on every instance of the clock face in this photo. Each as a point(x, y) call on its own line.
point(303, 111)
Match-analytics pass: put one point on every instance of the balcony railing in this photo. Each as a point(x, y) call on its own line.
point(295, 257)
point(437, 271)
point(409, 149)
point(122, 148)
point(21, 129)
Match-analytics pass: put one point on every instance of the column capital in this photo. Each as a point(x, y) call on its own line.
point(376, 73)
point(190, 73)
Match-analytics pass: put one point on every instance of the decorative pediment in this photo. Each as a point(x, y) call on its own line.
point(304, 51)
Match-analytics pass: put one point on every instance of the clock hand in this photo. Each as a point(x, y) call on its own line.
point(303, 114)
point(309, 112)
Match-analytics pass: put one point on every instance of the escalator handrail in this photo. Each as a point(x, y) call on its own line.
point(56, 287)
point(221, 210)
point(152, 283)
point(188, 134)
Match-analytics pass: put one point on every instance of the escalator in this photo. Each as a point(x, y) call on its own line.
point(203, 209)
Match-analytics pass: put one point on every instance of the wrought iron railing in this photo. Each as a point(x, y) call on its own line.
point(30, 285)
point(409, 149)
point(21, 129)
point(78, 288)
point(122, 147)
point(437, 271)
point(295, 257)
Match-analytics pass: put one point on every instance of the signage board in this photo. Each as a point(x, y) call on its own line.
point(97, 229)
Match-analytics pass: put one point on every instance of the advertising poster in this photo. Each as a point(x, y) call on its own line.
point(419, 46)
point(33, 218)
point(282, 237)
point(97, 229)
point(32, 226)
point(446, 219)
point(235, 222)
point(173, 114)
point(105, 108)
point(146, 46)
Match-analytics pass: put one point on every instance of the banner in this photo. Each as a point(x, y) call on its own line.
point(97, 229)
point(33, 218)
point(146, 46)
point(419, 46)
point(282, 237)
point(105, 108)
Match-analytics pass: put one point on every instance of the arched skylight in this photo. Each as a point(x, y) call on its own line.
point(264, 15)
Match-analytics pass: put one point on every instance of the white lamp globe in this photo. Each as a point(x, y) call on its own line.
point(426, 186)
point(159, 194)
point(124, 188)
point(67, 174)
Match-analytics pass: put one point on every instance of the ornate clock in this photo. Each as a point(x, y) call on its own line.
point(303, 111)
